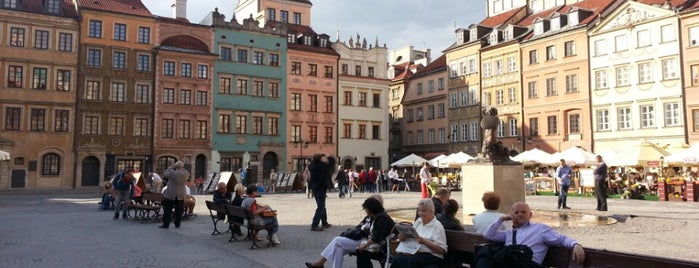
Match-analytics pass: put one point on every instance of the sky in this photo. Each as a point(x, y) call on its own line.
point(397, 23)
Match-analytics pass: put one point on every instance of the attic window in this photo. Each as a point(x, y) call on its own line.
point(508, 33)
point(555, 23)
point(323, 42)
point(307, 40)
point(473, 34)
point(10, 4)
point(574, 18)
point(539, 27)
point(290, 38)
point(493, 38)
point(460, 37)
point(53, 6)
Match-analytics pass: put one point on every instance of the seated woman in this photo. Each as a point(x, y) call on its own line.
point(221, 197)
point(430, 245)
point(106, 193)
point(251, 204)
point(375, 227)
point(448, 218)
point(239, 190)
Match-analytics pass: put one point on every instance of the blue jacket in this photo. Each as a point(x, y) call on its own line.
point(119, 184)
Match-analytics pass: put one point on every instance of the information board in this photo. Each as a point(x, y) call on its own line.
point(587, 178)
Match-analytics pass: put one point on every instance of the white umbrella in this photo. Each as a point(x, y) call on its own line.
point(532, 156)
point(4, 156)
point(437, 160)
point(409, 161)
point(574, 156)
point(635, 154)
point(456, 159)
point(686, 156)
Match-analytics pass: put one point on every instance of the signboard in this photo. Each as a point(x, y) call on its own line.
point(211, 182)
point(653, 163)
point(587, 178)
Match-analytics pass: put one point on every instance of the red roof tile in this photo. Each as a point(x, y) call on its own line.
point(596, 6)
point(673, 3)
point(529, 20)
point(37, 6)
point(500, 18)
point(437, 64)
point(130, 7)
point(305, 30)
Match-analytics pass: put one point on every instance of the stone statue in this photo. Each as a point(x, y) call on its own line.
point(492, 149)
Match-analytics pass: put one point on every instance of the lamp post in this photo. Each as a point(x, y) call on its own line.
point(300, 144)
point(662, 164)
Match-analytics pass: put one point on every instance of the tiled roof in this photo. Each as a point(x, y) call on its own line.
point(37, 6)
point(596, 6)
point(500, 18)
point(130, 7)
point(404, 75)
point(673, 3)
point(305, 30)
point(529, 20)
point(436, 65)
point(173, 20)
point(302, 1)
point(185, 41)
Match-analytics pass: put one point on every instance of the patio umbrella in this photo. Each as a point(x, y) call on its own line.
point(689, 156)
point(455, 160)
point(533, 156)
point(409, 161)
point(573, 156)
point(4, 156)
point(638, 154)
point(437, 160)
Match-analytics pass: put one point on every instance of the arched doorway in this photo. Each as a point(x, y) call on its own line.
point(269, 161)
point(200, 166)
point(347, 164)
point(91, 171)
point(165, 162)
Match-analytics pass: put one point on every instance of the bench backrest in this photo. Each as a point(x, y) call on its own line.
point(235, 211)
point(557, 257)
point(606, 258)
point(153, 197)
point(463, 241)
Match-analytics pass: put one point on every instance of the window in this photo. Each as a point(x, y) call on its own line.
point(644, 73)
point(430, 112)
point(552, 125)
point(241, 124)
point(242, 87)
point(39, 78)
point(511, 64)
point(532, 91)
point(93, 90)
point(669, 69)
point(312, 103)
point(258, 57)
point(17, 37)
point(420, 137)
point(620, 43)
point(498, 67)
point(116, 126)
point(601, 79)
point(119, 60)
point(202, 98)
point(486, 98)
point(574, 123)
point(143, 63)
point(169, 96)
point(347, 130)
point(273, 59)
point(348, 98)
point(38, 120)
point(622, 76)
point(419, 113)
point(472, 66)
point(226, 54)
point(94, 57)
point(328, 72)
point(513, 127)
point(273, 89)
point(312, 69)
point(169, 68)
point(295, 67)
point(186, 70)
point(224, 123)
point(419, 88)
point(370, 72)
point(13, 118)
point(65, 42)
point(63, 80)
point(569, 48)
point(409, 116)
point(501, 129)
point(95, 29)
point(91, 125)
point(694, 36)
point(295, 102)
point(694, 69)
point(120, 32)
point(328, 106)
point(486, 69)
point(667, 33)
point(600, 48)
point(242, 56)
point(534, 127)
point(345, 69)
point(430, 86)
point(473, 96)
point(185, 97)
point(376, 100)
point(499, 97)
point(118, 92)
point(647, 116)
point(258, 88)
point(51, 165)
point(296, 133)
point(297, 18)
point(273, 126)
point(143, 35)
point(532, 57)
point(257, 125)
point(141, 127)
point(312, 134)
point(473, 130)
point(624, 120)
point(672, 114)
point(358, 70)
point(61, 120)
point(271, 14)
point(643, 38)
point(512, 95)
point(571, 83)
point(202, 71)
point(41, 39)
point(142, 94)
point(551, 87)
point(15, 76)
point(184, 129)
point(52, 6)
point(224, 85)
point(362, 99)
point(550, 53)
point(168, 128)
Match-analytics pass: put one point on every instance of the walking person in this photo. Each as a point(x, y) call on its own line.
point(563, 173)
point(306, 179)
point(393, 178)
point(272, 181)
point(123, 184)
point(174, 193)
point(321, 169)
point(342, 181)
point(425, 177)
point(601, 175)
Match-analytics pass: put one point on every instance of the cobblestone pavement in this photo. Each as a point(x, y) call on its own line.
point(65, 229)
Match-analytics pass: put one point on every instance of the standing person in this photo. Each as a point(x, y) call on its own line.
point(371, 180)
point(362, 180)
point(342, 181)
point(174, 193)
point(321, 168)
point(601, 175)
point(123, 184)
point(425, 177)
point(393, 178)
point(272, 181)
point(406, 180)
point(199, 181)
point(563, 178)
point(156, 182)
point(306, 179)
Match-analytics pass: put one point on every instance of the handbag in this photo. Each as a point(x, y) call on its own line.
point(353, 233)
point(269, 213)
point(376, 247)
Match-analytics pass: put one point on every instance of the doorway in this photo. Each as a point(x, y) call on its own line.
point(91, 171)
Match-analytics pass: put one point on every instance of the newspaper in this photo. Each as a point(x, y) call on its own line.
point(407, 230)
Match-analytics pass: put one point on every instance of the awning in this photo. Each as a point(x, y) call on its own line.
point(4, 156)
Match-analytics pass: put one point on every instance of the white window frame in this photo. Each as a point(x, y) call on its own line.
point(670, 69)
point(647, 117)
point(622, 76)
point(602, 118)
point(672, 114)
point(645, 72)
point(624, 119)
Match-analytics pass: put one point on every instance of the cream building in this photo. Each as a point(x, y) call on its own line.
point(635, 76)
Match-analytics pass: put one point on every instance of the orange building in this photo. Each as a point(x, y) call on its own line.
point(689, 31)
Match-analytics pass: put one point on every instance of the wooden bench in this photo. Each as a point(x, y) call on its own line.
point(213, 207)
point(607, 258)
point(234, 212)
point(254, 227)
point(150, 209)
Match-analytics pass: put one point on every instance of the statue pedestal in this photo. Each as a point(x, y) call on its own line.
point(477, 178)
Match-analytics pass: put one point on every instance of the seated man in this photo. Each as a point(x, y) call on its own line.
point(538, 237)
point(189, 200)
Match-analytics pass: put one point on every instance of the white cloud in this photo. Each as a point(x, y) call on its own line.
point(397, 23)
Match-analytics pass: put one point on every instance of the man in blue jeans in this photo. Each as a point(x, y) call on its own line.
point(321, 169)
point(563, 173)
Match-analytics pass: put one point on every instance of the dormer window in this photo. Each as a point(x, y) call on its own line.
point(323, 42)
point(459, 37)
point(574, 18)
point(539, 27)
point(473, 34)
point(555, 23)
point(508, 33)
point(493, 38)
point(10, 4)
point(53, 6)
point(307, 40)
point(290, 38)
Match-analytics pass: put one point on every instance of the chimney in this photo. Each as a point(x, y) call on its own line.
point(179, 9)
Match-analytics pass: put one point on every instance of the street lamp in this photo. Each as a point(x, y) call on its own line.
point(300, 144)
point(662, 164)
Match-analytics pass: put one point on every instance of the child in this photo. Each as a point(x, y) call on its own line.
point(106, 195)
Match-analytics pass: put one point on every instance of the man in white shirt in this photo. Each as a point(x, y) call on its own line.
point(425, 178)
